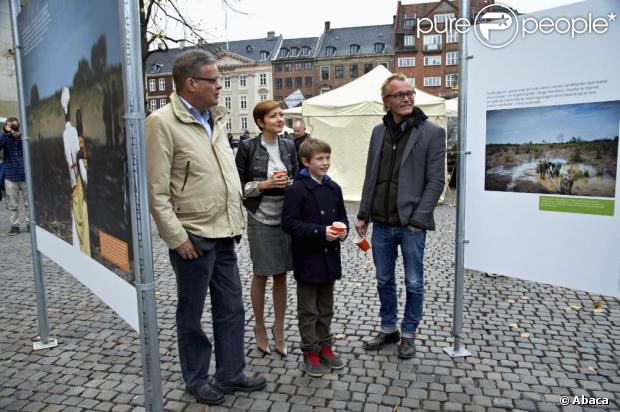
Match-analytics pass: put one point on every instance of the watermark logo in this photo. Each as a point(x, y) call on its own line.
point(497, 26)
point(496, 18)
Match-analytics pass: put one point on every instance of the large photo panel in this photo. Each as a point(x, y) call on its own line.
point(542, 128)
point(73, 95)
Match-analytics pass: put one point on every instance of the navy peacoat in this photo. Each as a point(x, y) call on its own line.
point(309, 207)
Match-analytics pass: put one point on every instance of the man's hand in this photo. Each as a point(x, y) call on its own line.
point(360, 227)
point(188, 251)
point(330, 235)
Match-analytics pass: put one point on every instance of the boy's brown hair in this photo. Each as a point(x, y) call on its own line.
point(313, 146)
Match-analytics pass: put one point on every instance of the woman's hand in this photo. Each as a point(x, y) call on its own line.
point(274, 182)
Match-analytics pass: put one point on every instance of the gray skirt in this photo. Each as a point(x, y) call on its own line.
point(270, 248)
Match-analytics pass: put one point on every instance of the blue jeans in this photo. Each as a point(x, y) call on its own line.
point(216, 270)
point(385, 241)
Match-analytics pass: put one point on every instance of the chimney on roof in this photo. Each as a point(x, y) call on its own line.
point(327, 26)
point(271, 34)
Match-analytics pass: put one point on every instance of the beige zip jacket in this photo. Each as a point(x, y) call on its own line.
point(192, 180)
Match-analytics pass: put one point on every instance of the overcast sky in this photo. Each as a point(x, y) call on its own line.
point(305, 18)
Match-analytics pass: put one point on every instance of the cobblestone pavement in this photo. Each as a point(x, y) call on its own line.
point(531, 344)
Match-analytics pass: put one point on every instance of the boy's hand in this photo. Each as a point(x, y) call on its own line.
point(330, 235)
point(343, 235)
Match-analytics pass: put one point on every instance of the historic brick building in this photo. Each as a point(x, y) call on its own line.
point(293, 68)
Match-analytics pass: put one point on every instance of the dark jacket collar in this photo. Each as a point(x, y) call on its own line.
point(311, 184)
point(415, 119)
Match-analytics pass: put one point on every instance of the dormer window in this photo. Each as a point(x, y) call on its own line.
point(330, 51)
point(264, 55)
point(156, 67)
point(305, 51)
point(379, 48)
point(294, 52)
point(409, 22)
point(249, 48)
point(283, 52)
point(354, 49)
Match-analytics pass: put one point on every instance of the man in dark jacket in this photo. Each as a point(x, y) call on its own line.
point(404, 180)
point(299, 136)
point(14, 173)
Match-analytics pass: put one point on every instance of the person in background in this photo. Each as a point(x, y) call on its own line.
point(299, 136)
point(14, 174)
point(266, 166)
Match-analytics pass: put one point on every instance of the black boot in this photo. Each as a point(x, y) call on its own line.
point(381, 340)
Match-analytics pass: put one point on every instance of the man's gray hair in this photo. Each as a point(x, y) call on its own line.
point(300, 122)
point(188, 64)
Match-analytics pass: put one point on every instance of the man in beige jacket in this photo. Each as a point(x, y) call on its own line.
point(195, 198)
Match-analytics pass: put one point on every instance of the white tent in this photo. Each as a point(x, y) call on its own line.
point(345, 117)
point(452, 107)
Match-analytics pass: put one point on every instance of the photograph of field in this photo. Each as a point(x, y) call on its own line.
point(565, 149)
point(73, 92)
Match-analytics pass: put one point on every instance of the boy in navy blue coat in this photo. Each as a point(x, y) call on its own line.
point(311, 205)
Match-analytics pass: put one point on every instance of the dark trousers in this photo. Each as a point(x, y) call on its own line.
point(216, 271)
point(315, 310)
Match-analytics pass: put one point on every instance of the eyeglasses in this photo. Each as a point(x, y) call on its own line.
point(212, 80)
point(401, 96)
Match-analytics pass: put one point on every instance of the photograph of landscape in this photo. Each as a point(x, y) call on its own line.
point(564, 149)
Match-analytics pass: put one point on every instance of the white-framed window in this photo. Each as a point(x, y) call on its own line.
point(264, 55)
point(162, 83)
point(452, 36)
point(294, 52)
point(330, 51)
point(354, 49)
point(152, 85)
point(262, 97)
point(262, 79)
point(432, 60)
point(229, 125)
point(244, 123)
point(305, 51)
point(284, 52)
point(409, 22)
point(324, 90)
point(432, 42)
point(379, 48)
point(227, 82)
point(324, 72)
point(228, 102)
point(243, 81)
point(452, 79)
point(243, 102)
point(443, 17)
point(406, 62)
point(434, 81)
point(452, 58)
point(153, 104)
point(409, 40)
point(162, 102)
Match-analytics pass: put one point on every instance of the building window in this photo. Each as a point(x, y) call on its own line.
point(330, 51)
point(384, 64)
point(278, 83)
point(278, 67)
point(244, 123)
point(352, 71)
point(152, 85)
point(367, 67)
point(432, 60)
point(153, 104)
point(308, 81)
point(162, 102)
point(452, 36)
point(288, 82)
point(339, 72)
point(243, 102)
point(227, 82)
point(452, 79)
point(308, 65)
point(452, 58)
point(324, 72)
point(298, 67)
point(229, 125)
point(262, 79)
point(305, 51)
point(354, 49)
point(264, 55)
point(432, 81)
point(262, 97)
point(288, 67)
point(283, 52)
point(406, 62)
point(294, 52)
point(228, 102)
point(242, 81)
point(379, 48)
point(409, 22)
point(324, 90)
point(432, 42)
point(443, 18)
point(298, 82)
point(409, 40)
point(162, 83)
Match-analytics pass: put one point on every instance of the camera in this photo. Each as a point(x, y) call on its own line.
point(14, 127)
